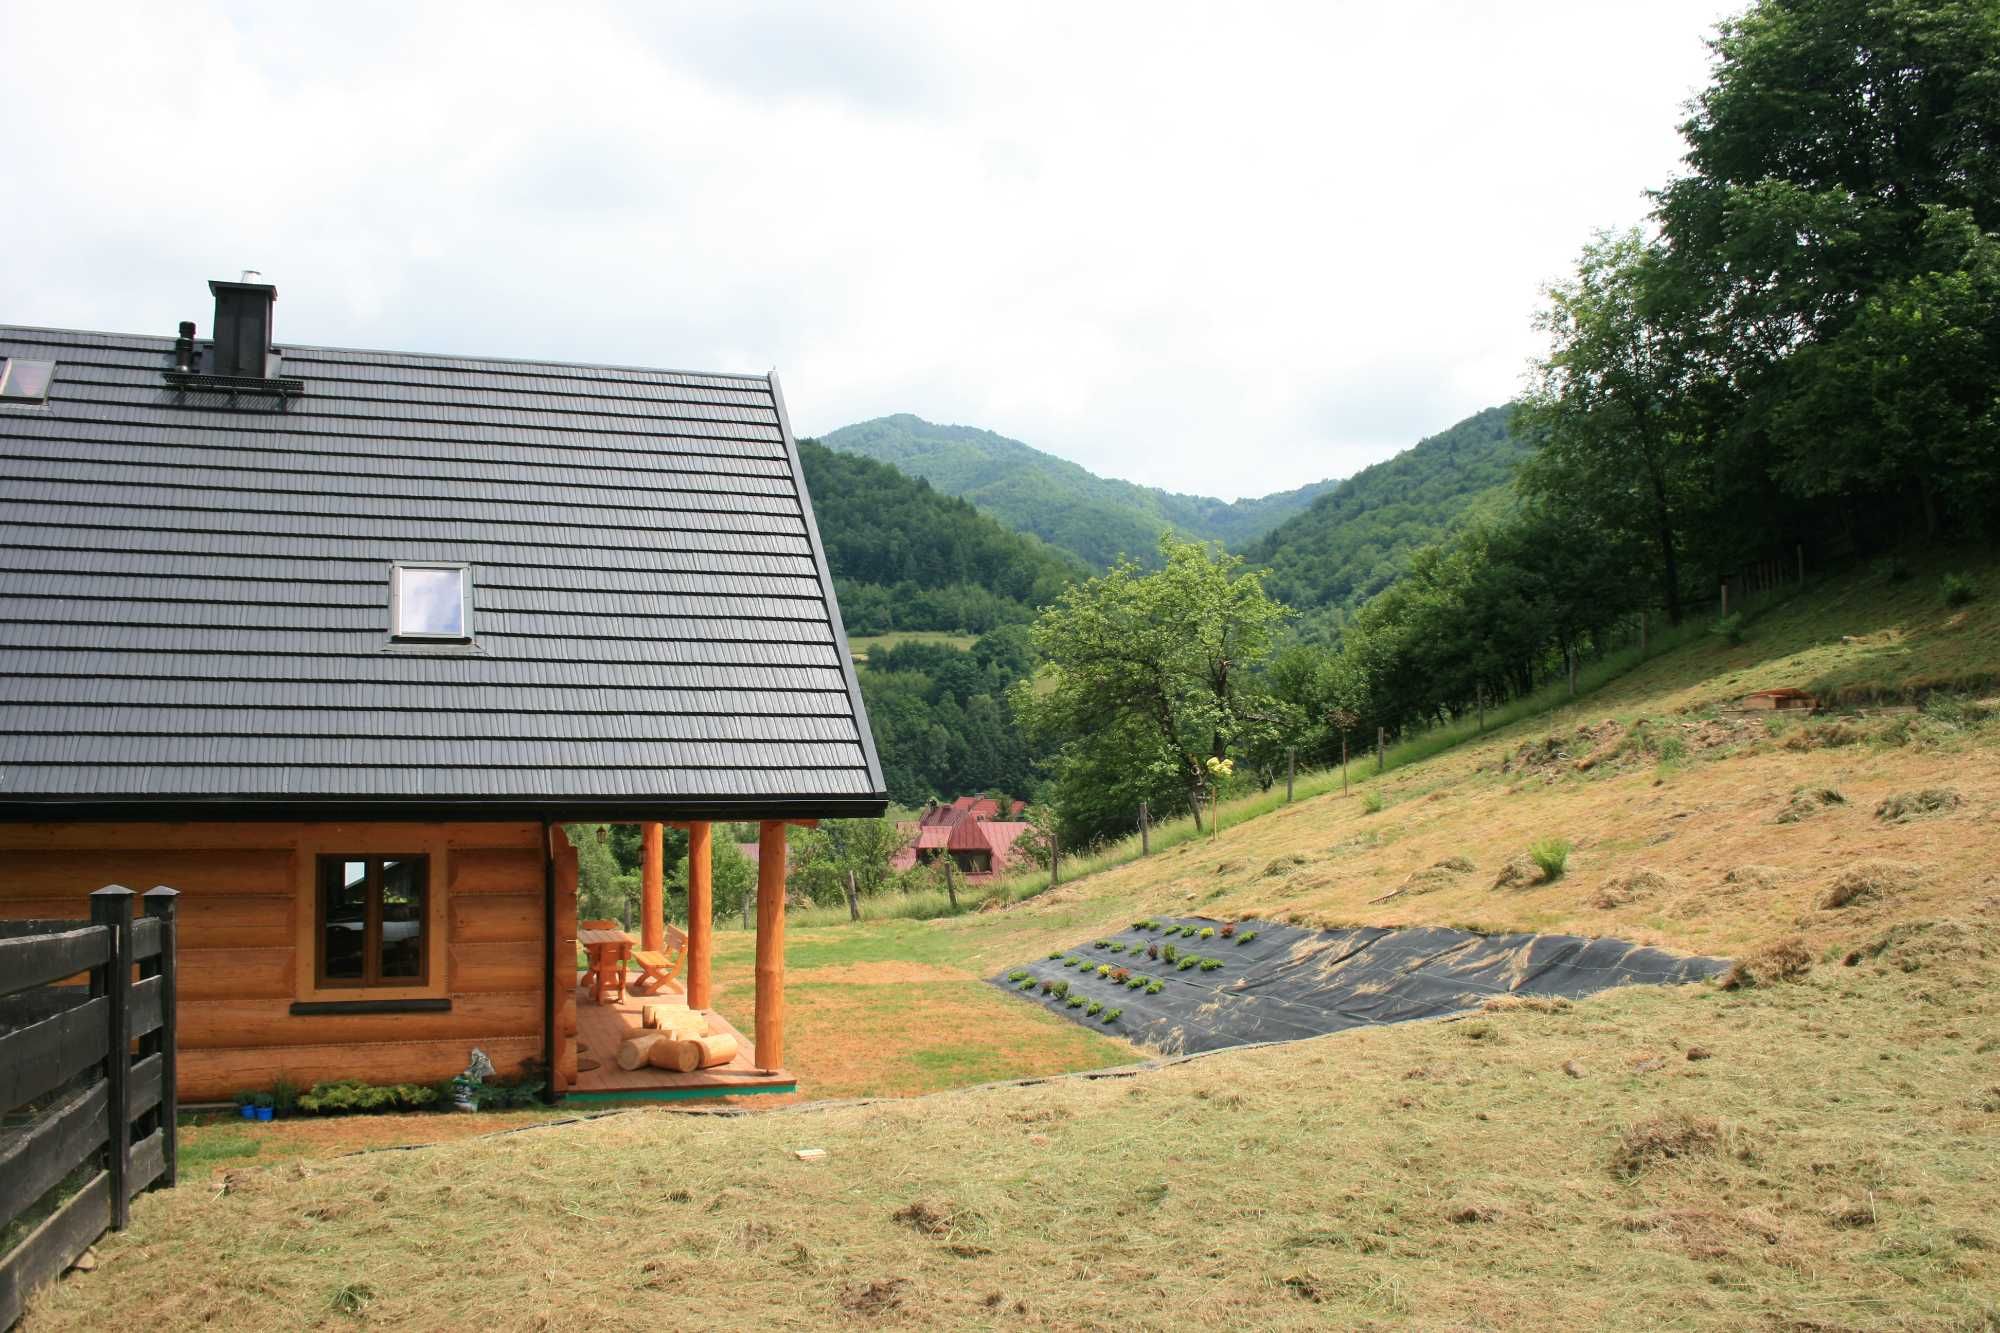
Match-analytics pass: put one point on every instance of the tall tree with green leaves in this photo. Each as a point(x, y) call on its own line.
point(1147, 673)
point(1616, 403)
point(1836, 219)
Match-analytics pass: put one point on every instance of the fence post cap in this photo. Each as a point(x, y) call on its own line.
point(162, 891)
point(112, 891)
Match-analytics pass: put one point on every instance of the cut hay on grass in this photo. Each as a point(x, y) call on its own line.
point(1785, 960)
point(1867, 881)
point(1915, 804)
point(1491, 1192)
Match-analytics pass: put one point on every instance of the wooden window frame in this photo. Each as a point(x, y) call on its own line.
point(370, 980)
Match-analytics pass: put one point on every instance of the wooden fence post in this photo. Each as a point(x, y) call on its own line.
point(1055, 858)
point(749, 901)
point(1480, 692)
point(159, 902)
point(1381, 747)
point(1145, 830)
point(1343, 763)
point(1572, 673)
point(1291, 769)
point(853, 899)
point(111, 907)
point(950, 888)
point(1642, 634)
point(1725, 599)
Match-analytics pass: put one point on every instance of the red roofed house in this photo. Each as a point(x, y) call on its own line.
point(970, 831)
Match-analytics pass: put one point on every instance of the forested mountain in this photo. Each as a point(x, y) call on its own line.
point(1096, 518)
point(906, 557)
point(1354, 542)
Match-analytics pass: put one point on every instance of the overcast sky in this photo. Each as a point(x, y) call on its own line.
point(1227, 249)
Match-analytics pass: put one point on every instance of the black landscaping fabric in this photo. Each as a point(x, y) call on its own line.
point(1289, 982)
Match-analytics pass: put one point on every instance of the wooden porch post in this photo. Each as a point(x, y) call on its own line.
point(701, 907)
point(652, 887)
point(770, 1039)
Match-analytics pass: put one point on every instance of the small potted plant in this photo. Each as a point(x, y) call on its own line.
point(246, 1105)
point(265, 1105)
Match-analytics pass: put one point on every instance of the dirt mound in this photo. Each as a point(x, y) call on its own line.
point(1675, 1136)
point(1284, 865)
point(1807, 802)
point(1631, 887)
point(1786, 960)
point(1916, 804)
point(1866, 881)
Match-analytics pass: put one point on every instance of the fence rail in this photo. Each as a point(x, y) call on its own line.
point(76, 1098)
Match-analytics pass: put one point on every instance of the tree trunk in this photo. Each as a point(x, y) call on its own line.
point(1670, 564)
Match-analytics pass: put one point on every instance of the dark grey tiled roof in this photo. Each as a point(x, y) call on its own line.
point(194, 594)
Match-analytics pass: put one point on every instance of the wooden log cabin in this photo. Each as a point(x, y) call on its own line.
point(337, 642)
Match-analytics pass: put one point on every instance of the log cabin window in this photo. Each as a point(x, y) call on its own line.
point(371, 921)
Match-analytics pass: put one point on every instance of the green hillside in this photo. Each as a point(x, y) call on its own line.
point(907, 558)
point(1096, 518)
point(1353, 543)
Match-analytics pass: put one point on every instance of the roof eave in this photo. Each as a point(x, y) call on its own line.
point(428, 809)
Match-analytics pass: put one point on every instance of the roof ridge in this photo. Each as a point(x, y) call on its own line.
point(166, 343)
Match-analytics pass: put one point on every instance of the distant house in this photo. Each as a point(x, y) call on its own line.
point(975, 832)
point(334, 642)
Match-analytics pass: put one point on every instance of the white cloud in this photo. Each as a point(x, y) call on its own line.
point(1221, 250)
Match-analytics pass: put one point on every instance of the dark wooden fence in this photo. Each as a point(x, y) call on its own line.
point(85, 1115)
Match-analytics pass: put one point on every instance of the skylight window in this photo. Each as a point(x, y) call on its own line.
point(431, 602)
point(25, 381)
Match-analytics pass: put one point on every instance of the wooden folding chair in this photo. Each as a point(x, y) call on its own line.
point(658, 966)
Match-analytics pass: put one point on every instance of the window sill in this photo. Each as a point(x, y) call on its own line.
point(328, 1008)
point(439, 647)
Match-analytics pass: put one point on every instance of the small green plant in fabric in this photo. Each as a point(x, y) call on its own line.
point(1075, 1002)
point(1208, 932)
point(1246, 937)
point(1153, 986)
point(1062, 989)
point(1111, 1015)
point(1093, 1007)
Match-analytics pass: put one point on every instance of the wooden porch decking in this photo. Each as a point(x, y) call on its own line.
point(600, 1028)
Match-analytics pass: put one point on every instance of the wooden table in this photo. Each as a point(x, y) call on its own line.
point(608, 951)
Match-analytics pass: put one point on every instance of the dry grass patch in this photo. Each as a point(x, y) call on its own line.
point(1672, 1137)
point(1868, 881)
point(1786, 960)
point(1193, 1195)
point(1636, 885)
point(1916, 804)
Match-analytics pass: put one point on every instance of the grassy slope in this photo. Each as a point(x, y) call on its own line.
point(1840, 1171)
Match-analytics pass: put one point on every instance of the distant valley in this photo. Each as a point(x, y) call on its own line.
point(1098, 519)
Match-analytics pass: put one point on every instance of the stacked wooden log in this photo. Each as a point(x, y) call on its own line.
point(661, 1025)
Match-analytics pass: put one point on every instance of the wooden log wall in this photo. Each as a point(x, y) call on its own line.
point(243, 887)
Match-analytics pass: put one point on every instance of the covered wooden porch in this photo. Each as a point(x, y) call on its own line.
point(593, 1028)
